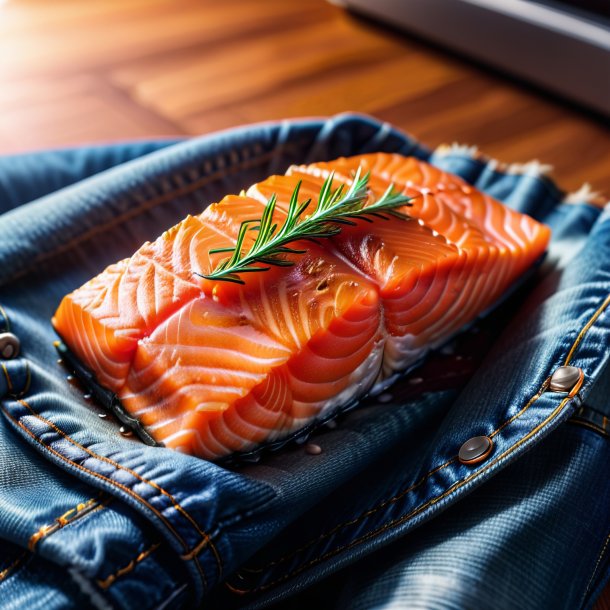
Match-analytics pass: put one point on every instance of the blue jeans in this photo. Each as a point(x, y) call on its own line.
point(386, 516)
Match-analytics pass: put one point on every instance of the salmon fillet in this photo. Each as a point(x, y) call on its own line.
point(212, 368)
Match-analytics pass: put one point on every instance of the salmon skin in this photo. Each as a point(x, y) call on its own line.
point(213, 368)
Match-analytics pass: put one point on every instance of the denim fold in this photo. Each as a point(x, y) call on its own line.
point(386, 516)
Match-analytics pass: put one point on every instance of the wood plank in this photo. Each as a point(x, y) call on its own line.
point(38, 114)
point(110, 33)
point(512, 125)
point(73, 71)
point(237, 75)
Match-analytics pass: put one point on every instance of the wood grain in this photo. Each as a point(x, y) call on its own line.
point(76, 72)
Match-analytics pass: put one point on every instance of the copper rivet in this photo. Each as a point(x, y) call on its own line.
point(475, 450)
point(565, 378)
point(9, 345)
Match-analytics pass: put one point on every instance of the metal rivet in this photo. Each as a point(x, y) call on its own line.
point(565, 378)
point(475, 450)
point(9, 345)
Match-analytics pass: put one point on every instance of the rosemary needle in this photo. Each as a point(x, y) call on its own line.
point(335, 207)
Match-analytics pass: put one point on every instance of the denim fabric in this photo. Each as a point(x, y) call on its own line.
point(29, 176)
point(90, 517)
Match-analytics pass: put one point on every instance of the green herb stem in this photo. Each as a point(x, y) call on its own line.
point(336, 207)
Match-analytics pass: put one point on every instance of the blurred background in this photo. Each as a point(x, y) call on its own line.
point(74, 72)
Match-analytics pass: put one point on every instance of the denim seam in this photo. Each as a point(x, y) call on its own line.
point(80, 510)
point(9, 381)
point(172, 596)
point(585, 424)
point(146, 205)
point(107, 582)
point(432, 501)
point(129, 491)
point(600, 557)
point(396, 498)
point(391, 524)
point(13, 566)
point(586, 328)
point(175, 504)
point(5, 318)
point(354, 521)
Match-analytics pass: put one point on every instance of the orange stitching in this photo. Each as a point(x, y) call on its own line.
point(198, 548)
point(519, 413)
point(135, 474)
point(586, 424)
point(233, 589)
point(190, 554)
point(368, 513)
point(106, 582)
point(534, 398)
point(9, 382)
point(393, 499)
point(68, 517)
point(8, 378)
point(599, 560)
point(114, 483)
point(586, 327)
point(13, 565)
point(413, 513)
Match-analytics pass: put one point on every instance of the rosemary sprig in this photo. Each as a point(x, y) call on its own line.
point(335, 208)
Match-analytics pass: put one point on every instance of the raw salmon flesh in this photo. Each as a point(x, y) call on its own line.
point(212, 368)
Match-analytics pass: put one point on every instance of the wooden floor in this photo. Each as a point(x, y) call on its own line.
point(78, 71)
